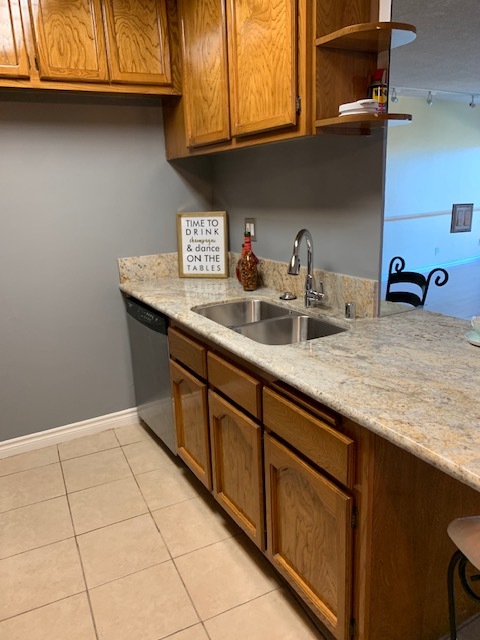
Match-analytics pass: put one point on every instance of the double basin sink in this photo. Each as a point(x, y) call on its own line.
point(266, 322)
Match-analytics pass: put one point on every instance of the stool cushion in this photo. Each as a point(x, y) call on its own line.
point(465, 533)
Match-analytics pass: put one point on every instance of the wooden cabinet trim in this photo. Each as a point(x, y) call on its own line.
point(241, 497)
point(327, 448)
point(190, 353)
point(279, 459)
point(242, 388)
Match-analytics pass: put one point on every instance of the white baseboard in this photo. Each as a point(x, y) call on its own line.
point(68, 432)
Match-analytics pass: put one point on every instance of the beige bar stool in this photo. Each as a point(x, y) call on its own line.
point(465, 533)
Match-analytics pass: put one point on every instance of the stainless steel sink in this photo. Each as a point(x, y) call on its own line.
point(289, 330)
point(240, 312)
point(266, 322)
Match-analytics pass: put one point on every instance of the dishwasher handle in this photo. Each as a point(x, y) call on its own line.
point(147, 316)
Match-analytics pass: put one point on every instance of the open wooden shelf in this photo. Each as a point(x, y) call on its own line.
point(362, 124)
point(344, 60)
point(371, 37)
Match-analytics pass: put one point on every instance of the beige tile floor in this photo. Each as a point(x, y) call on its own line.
point(108, 537)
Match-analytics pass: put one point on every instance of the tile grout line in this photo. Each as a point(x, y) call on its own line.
point(187, 591)
point(40, 466)
point(31, 504)
point(171, 635)
point(40, 546)
point(238, 535)
point(127, 575)
point(110, 524)
point(83, 455)
point(169, 552)
point(80, 559)
point(242, 604)
point(42, 606)
point(150, 512)
point(94, 486)
point(206, 546)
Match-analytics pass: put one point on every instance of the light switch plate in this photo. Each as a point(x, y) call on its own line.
point(250, 226)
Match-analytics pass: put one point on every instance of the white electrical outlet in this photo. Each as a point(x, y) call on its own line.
point(250, 226)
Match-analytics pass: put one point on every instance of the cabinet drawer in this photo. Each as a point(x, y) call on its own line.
point(237, 385)
point(190, 353)
point(327, 448)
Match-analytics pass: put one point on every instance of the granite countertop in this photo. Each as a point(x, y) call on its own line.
point(411, 378)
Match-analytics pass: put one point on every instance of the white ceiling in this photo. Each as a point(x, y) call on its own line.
point(445, 56)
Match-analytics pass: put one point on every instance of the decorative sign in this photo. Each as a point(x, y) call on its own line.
point(202, 245)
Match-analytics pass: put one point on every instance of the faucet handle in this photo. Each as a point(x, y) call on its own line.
point(312, 296)
point(315, 295)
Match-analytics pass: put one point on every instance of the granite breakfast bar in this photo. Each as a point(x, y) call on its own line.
point(410, 382)
point(411, 378)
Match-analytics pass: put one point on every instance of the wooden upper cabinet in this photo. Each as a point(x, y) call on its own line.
point(262, 38)
point(13, 54)
point(137, 40)
point(69, 40)
point(205, 74)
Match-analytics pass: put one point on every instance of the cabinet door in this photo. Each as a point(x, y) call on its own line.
point(69, 40)
point(262, 39)
point(13, 54)
point(237, 466)
point(205, 81)
point(309, 535)
point(191, 422)
point(137, 39)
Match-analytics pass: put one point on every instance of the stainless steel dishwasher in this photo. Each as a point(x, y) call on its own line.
point(149, 346)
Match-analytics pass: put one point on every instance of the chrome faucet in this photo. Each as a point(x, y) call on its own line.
point(311, 295)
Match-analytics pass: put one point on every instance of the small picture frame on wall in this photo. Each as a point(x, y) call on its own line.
point(461, 218)
point(202, 244)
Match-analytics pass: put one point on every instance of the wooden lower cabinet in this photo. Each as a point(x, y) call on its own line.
point(411, 506)
point(237, 466)
point(309, 535)
point(191, 422)
point(356, 525)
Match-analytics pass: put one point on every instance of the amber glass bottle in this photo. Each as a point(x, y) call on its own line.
point(248, 266)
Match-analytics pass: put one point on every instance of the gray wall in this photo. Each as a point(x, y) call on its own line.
point(80, 185)
point(83, 183)
point(333, 185)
